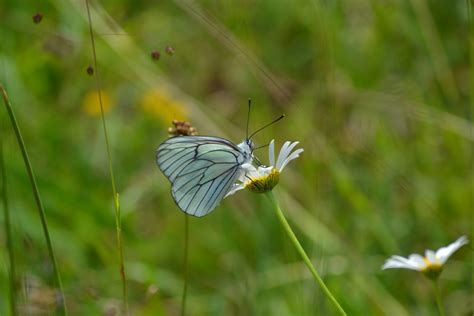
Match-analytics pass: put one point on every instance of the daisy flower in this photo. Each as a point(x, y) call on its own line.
point(262, 178)
point(431, 264)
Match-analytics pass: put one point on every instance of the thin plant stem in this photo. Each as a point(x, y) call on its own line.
point(118, 222)
point(439, 301)
point(304, 256)
point(36, 194)
point(118, 229)
point(8, 232)
point(185, 264)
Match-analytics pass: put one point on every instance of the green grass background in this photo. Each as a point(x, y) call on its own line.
point(377, 92)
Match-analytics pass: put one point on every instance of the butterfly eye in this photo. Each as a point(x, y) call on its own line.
point(250, 144)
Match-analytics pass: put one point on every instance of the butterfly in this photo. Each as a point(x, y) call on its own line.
point(203, 169)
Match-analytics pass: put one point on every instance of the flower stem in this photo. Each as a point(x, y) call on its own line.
point(439, 301)
point(36, 194)
point(118, 221)
point(185, 264)
point(8, 232)
point(302, 253)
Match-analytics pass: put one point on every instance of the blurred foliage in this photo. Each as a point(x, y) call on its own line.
point(378, 93)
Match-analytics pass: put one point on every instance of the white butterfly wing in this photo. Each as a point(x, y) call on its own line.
point(201, 169)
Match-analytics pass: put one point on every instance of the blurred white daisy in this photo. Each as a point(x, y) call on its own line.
point(262, 178)
point(431, 264)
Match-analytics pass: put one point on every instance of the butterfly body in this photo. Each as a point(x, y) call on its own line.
point(202, 169)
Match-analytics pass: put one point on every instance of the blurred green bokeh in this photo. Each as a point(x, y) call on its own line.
point(377, 92)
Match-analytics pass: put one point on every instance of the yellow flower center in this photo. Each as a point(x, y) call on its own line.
point(432, 269)
point(264, 183)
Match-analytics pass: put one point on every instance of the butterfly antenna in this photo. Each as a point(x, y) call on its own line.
point(248, 120)
point(262, 128)
point(260, 147)
point(257, 161)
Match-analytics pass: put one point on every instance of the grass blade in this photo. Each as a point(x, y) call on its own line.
point(37, 197)
point(8, 233)
point(118, 221)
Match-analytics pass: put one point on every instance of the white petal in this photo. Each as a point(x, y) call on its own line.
point(417, 261)
point(395, 262)
point(236, 187)
point(282, 155)
point(246, 170)
point(294, 155)
point(271, 153)
point(431, 256)
point(252, 173)
point(400, 262)
point(290, 148)
point(445, 252)
point(247, 166)
point(264, 171)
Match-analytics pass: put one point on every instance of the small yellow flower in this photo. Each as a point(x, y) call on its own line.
point(262, 178)
point(161, 105)
point(91, 104)
point(431, 264)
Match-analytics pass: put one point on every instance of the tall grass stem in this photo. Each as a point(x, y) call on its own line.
point(37, 197)
point(118, 222)
point(185, 264)
point(8, 231)
point(301, 251)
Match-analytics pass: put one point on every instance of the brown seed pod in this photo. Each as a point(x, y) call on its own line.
point(90, 70)
point(155, 55)
point(37, 18)
point(169, 50)
point(181, 128)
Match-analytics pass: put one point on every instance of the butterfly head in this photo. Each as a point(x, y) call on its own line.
point(247, 147)
point(249, 144)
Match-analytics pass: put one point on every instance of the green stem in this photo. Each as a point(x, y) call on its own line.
point(118, 228)
point(185, 264)
point(439, 301)
point(302, 253)
point(36, 194)
point(8, 232)
point(118, 221)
